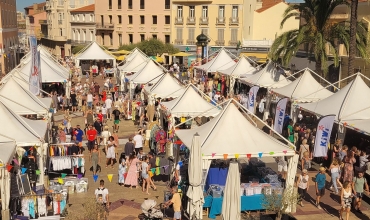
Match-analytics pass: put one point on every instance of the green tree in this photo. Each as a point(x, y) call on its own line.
point(78, 48)
point(352, 43)
point(151, 47)
point(279, 203)
point(317, 33)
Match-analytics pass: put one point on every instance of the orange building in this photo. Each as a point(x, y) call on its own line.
point(35, 16)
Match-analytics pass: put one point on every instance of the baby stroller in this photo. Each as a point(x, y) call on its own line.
point(149, 210)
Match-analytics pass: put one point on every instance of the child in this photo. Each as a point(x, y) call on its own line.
point(121, 170)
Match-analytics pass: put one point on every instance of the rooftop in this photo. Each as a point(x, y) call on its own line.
point(267, 6)
point(39, 5)
point(88, 8)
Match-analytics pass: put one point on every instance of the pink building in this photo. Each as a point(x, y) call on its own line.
point(35, 16)
point(121, 22)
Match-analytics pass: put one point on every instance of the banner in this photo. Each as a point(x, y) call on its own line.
point(252, 98)
point(279, 115)
point(35, 77)
point(323, 136)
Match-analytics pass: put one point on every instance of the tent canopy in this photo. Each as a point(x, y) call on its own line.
point(268, 77)
point(39, 126)
point(190, 103)
point(134, 63)
point(350, 103)
point(231, 133)
point(221, 61)
point(7, 148)
point(241, 67)
point(167, 86)
point(20, 99)
point(16, 128)
point(181, 54)
point(149, 73)
point(94, 52)
point(304, 89)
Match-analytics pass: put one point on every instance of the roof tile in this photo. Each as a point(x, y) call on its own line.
point(87, 8)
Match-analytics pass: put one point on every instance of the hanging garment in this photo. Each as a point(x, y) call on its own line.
point(41, 205)
point(32, 208)
point(25, 207)
point(157, 170)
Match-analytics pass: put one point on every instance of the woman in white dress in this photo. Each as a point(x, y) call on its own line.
point(111, 151)
point(104, 137)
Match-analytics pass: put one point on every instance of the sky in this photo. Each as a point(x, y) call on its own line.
point(21, 4)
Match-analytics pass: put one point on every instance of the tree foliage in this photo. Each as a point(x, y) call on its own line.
point(278, 204)
point(91, 210)
point(77, 49)
point(318, 33)
point(151, 47)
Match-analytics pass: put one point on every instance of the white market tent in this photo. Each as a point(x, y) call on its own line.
point(94, 51)
point(7, 148)
point(304, 89)
point(221, 61)
point(240, 68)
point(350, 103)
point(232, 134)
point(190, 103)
point(268, 77)
point(151, 72)
point(167, 86)
point(39, 126)
point(135, 61)
point(20, 100)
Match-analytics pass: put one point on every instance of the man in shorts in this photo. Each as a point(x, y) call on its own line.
point(358, 185)
point(91, 137)
point(116, 114)
point(176, 201)
point(102, 196)
point(108, 105)
point(320, 186)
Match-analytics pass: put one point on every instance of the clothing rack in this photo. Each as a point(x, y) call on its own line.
point(43, 194)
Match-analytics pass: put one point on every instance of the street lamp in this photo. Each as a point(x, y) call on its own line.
point(202, 42)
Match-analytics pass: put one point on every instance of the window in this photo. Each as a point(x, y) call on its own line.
point(110, 38)
point(91, 35)
point(191, 32)
point(129, 4)
point(130, 38)
point(205, 31)
point(102, 19)
point(60, 2)
point(179, 11)
point(119, 19)
point(167, 19)
point(179, 34)
point(205, 12)
point(142, 19)
point(234, 35)
point(91, 17)
point(154, 36)
point(235, 12)
point(130, 19)
point(119, 4)
point(142, 37)
point(154, 19)
point(221, 11)
point(84, 36)
point(220, 34)
point(102, 38)
point(142, 4)
point(191, 11)
point(61, 31)
point(109, 4)
point(110, 19)
point(72, 3)
point(78, 35)
point(167, 39)
point(167, 4)
point(73, 34)
point(120, 39)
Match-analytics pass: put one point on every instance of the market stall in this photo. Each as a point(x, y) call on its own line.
point(221, 61)
point(166, 87)
point(134, 62)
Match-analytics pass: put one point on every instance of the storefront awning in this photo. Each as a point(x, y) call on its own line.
point(259, 57)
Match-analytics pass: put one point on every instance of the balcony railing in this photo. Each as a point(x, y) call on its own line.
point(190, 42)
point(220, 20)
point(179, 20)
point(60, 21)
point(220, 42)
point(234, 21)
point(190, 20)
point(233, 43)
point(204, 21)
point(179, 41)
point(105, 26)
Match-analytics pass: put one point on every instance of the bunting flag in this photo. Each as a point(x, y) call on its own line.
point(153, 170)
point(279, 115)
point(95, 178)
point(24, 170)
point(63, 175)
point(60, 181)
point(260, 155)
point(25, 154)
point(110, 177)
point(180, 163)
point(252, 97)
point(225, 156)
point(323, 134)
point(165, 167)
point(249, 156)
point(16, 161)
point(236, 156)
point(284, 151)
point(38, 172)
point(9, 167)
point(213, 154)
point(271, 153)
point(202, 155)
point(79, 176)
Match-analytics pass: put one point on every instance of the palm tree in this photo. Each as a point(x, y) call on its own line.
point(317, 33)
point(352, 41)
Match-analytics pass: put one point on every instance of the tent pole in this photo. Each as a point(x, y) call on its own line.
point(322, 78)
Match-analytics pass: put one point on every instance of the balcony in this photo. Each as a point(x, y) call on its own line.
point(105, 27)
point(191, 42)
point(220, 42)
point(178, 42)
point(203, 21)
point(190, 20)
point(220, 21)
point(179, 21)
point(233, 43)
point(234, 21)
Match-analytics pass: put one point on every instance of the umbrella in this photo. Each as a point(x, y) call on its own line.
point(181, 54)
point(122, 57)
point(121, 52)
point(231, 204)
point(158, 59)
point(195, 192)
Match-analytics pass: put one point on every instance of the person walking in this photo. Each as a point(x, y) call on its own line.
point(102, 197)
point(132, 176)
point(358, 185)
point(129, 147)
point(349, 162)
point(105, 136)
point(176, 201)
point(122, 170)
point(335, 174)
point(138, 141)
point(145, 174)
point(320, 186)
point(111, 151)
point(303, 185)
point(95, 158)
point(345, 200)
point(116, 113)
point(91, 137)
point(108, 104)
